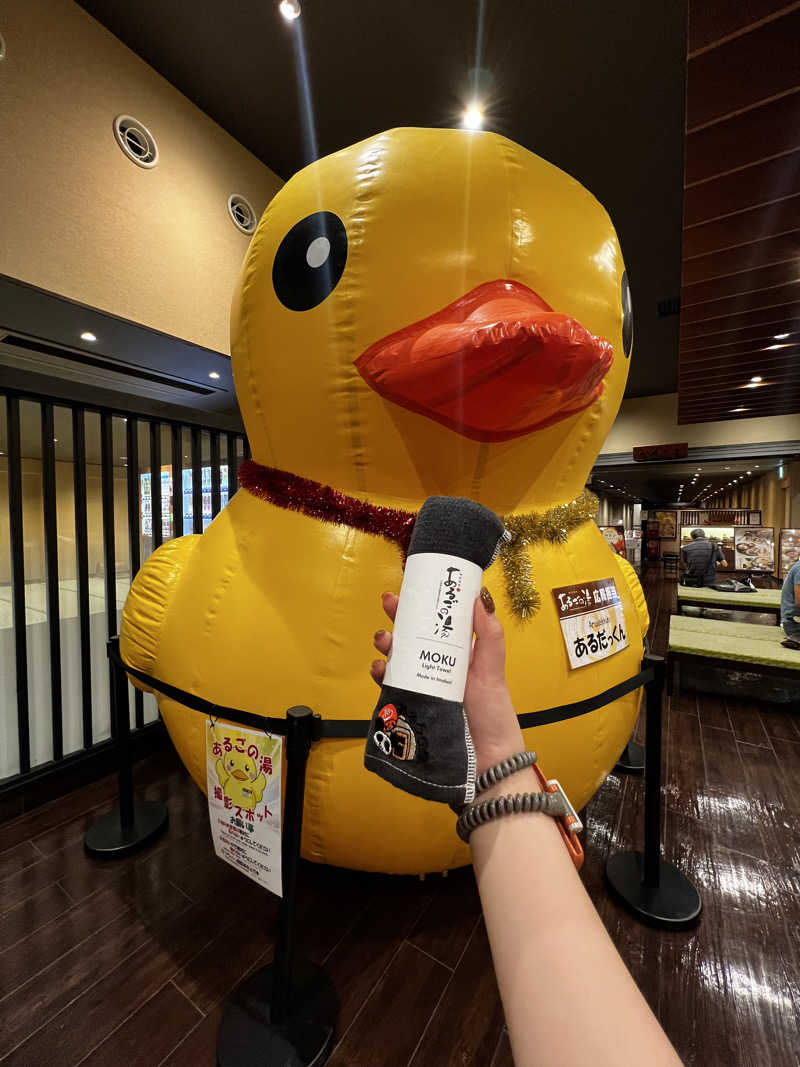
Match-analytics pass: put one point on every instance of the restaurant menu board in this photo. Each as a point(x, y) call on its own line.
point(789, 550)
point(615, 539)
point(667, 524)
point(754, 548)
point(723, 535)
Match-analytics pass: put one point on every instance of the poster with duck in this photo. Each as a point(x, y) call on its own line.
point(243, 773)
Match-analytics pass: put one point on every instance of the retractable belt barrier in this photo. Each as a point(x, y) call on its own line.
point(359, 727)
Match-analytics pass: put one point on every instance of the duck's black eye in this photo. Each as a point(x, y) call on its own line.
point(627, 317)
point(310, 261)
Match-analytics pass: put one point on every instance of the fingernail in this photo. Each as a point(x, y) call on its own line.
point(488, 601)
point(379, 634)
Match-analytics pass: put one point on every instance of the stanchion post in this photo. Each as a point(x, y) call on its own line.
point(286, 1012)
point(135, 822)
point(122, 733)
point(654, 696)
point(653, 889)
point(299, 726)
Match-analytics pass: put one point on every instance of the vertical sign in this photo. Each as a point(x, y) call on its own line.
point(243, 774)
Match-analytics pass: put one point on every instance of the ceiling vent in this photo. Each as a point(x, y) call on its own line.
point(669, 307)
point(136, 141)
point(242, 214)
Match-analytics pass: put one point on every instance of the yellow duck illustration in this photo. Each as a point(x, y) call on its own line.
point(240, 778)
point(429, 311)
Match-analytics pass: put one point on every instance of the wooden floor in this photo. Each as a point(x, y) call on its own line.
point(127, 964)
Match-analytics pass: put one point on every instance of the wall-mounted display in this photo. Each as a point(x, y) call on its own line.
point(789, 550)
point(754, 548)
point(667, 524)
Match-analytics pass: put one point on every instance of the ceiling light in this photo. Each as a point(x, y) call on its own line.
point(756, 379)
point(87, 335)
point(781, 336)
point(727, 468)
point(734, 410)
point(756, 465)
point(749, 472)
point(213, 374)
point(290, 9)
point(55, 440)
point(473, 118)
point(771, 348)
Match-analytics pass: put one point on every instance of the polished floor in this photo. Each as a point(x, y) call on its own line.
point(127, 964)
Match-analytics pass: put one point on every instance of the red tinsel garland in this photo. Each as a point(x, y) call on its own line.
point(287, 490)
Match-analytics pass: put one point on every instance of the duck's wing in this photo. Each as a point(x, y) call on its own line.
point(148, 602)
point(635, 586)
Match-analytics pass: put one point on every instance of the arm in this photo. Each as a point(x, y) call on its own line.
point(564, 987)
point(720, 557)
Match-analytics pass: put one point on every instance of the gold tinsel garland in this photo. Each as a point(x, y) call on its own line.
point(554, 525)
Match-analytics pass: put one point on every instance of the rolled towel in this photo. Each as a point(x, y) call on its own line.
point(418, 738)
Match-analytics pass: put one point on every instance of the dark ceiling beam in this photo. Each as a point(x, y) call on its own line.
point(745, 282)
point(730, 78)
point(756, 184)
point(752, 339)
point(742, 303)
point(746, 320)
point(741, 258)
point(768, 130)
point(745, 227)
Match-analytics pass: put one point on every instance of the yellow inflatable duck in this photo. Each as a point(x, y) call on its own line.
point(240, 778)
point(429, 311)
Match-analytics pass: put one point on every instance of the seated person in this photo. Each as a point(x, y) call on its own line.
point(790, 607)
point(701, 557)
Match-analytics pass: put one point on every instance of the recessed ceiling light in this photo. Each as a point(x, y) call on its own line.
point(771, 348)
point(55, 440)
point(87, 335)
point(727, 468)
point(756, 465)
point(781, 336)
point(734, 410)
point(756, 378)
point(473, 118)
point(749, 472)
point(213, 374)
point(290, 9)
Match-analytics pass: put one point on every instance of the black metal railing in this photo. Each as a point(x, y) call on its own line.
point(40, 437)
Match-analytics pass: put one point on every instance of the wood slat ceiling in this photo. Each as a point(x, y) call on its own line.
point(741, 229)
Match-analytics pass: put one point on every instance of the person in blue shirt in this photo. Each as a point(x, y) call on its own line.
point(790, 607)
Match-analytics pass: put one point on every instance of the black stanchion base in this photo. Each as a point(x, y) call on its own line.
point(247, 1038)
point(674, 905)
point(632, 759)
point(106, 839)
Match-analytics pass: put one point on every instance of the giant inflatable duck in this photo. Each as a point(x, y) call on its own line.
point(427, 312)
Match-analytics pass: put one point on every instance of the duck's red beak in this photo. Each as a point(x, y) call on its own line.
point(495, 364)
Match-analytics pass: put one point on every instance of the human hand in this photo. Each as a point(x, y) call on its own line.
point(487, 702)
